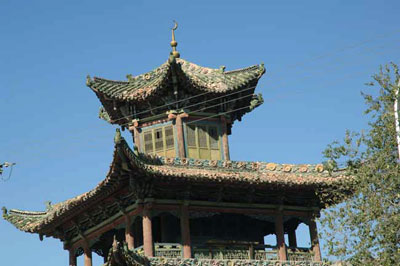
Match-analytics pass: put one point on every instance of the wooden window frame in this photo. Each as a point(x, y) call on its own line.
point(164, 140)
point(208, 140)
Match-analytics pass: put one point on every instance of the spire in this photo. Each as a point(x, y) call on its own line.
point(174, 44)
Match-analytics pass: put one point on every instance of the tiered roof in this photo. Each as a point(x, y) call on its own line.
point(193, 80)
point(140, 166)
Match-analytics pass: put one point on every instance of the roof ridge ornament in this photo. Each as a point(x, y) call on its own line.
point(174, 43)
point(117, 137)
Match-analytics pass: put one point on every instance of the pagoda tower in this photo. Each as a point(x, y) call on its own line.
point(180, 109)
point(177, 198)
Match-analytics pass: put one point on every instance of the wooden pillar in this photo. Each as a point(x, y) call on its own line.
point(87, 252)
point(129, 238)
point(147, 233)
point(314, 240)
point(280, 237)
point(185, 232)
point(225, 145)
point(134, 129)
point(72, 257)
point(292, 238)
point(179, 135)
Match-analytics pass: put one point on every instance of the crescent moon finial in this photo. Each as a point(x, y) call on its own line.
point(174, 43)
point(175, 25)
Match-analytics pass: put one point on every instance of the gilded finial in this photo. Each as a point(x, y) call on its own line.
point(174, 44)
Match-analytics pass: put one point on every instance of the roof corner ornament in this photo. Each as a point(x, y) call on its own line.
point(222, 69)
point(48, 205)
point(89, 81)
point(104, 115)
point(174, 44)
point(262, 67)
point(130, 77)
point(256, 101)
point(4, 209)
point(117, 137)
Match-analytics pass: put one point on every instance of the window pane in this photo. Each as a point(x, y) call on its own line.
point(159, 141)
point(148, 141)
point(213, 133)
point(202, 131)
point(191, 135)
point(169, 137)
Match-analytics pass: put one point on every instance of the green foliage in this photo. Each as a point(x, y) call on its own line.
point(365, 227)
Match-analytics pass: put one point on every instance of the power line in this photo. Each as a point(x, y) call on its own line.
point(344, 48)
point(210, 106)
point(219, 114)
point(291, 66)
point(158, 107)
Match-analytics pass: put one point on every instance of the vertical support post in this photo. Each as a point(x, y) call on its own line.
point(251, 252)
point(87, 252)
point(136, 136)
point(179, 133)
point(147, 233)
point(225, 145)
point(185, 232)
point(314, 240)
point(292, 238)
point(129, 238)
point(280, 237)
point(72, 257)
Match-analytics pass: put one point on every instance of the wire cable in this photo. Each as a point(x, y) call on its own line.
point(158, 107)
point(219, 114)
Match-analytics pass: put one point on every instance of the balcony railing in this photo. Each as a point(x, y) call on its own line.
point(266, 254)
point(236, 252)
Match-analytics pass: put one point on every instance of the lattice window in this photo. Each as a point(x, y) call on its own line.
point(203, 141)
point(148, 141)
point(202, 132)
point(191, 135)
point(160, 141)
point(169, 137)
point(213, 133)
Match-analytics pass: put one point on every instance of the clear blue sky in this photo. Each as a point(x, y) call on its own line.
point(318, 55)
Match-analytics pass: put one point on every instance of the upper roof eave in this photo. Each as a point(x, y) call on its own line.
point(141, 87)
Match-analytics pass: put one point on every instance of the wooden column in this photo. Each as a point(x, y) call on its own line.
point(185, 232)
point(314, 240)
point(135, 131)
point(72, 257)
point(129, 238)
point(87, 253)
point(179, 135)
point(292, 238)
point(225, 145)
point(280, 237)
point(147, 233)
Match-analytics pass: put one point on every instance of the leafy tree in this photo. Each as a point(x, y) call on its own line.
point(365, 227)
